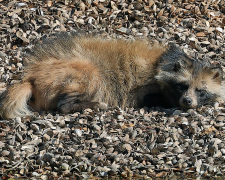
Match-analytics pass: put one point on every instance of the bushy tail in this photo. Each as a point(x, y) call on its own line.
point(13, 102)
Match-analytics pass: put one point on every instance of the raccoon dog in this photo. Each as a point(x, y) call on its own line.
point(70, 73)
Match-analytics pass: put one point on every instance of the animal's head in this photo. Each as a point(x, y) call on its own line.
point(186, 82)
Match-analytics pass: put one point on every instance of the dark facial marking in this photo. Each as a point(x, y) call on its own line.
point(205, 97)
point(181, 87)
point(173, 92)
point(169, 98)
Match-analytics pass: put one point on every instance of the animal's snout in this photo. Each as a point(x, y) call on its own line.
point(187, 101)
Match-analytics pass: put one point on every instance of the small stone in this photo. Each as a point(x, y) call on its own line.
point(198, 164)
point(19, 137)
point(46, 137)
point(65, 166)
point(5, 153)
point(123, 30)
point(78, 132)
point(48, 157)
point(35, 174)
point(127, 146)
point(34, 127)
point(177, 112)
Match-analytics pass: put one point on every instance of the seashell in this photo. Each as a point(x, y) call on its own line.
point(21, 4)
point(35, 127)
point(46, 137)
point(198, 164)
point(65, 166)
point(127, 147)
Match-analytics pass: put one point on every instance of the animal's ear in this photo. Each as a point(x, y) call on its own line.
point(177, 66)
point(175, 48)
point(217, 73)
point(175, 53)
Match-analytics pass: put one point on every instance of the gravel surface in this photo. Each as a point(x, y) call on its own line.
point(131, 143)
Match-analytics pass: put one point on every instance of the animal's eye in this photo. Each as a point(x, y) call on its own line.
point(202, 93)
point(181, 87)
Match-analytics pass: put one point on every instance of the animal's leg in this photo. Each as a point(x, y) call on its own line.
point(72, 102)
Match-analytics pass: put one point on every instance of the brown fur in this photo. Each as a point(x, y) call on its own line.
point(72, 72)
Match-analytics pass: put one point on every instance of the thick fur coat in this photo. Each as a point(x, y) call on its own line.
point(70, 73)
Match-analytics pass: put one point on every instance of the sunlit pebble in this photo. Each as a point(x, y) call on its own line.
point(78, 132)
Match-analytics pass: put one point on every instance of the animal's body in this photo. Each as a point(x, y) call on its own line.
point(71, 73)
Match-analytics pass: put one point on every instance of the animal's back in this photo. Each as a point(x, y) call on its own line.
point(122, 65)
